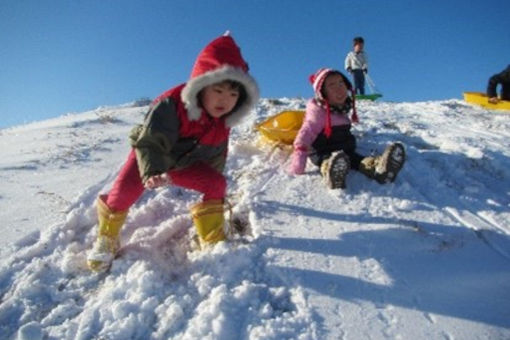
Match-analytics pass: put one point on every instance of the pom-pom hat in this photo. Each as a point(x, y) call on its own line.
point(317, 80)
point(220, 60)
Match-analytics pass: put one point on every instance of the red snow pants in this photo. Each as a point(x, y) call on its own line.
point(200, 177)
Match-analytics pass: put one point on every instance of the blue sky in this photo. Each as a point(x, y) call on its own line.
point(70, 56)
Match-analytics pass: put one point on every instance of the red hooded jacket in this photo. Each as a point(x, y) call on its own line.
point(177, 132)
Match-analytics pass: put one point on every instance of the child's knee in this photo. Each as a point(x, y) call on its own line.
point(217, 186)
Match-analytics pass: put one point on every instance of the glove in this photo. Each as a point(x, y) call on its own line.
point(298, 163)
point(365, 70)
point(349, 70)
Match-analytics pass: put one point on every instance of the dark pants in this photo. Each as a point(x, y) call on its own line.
point(341, 139)
point(359, 81)
point(502, 78)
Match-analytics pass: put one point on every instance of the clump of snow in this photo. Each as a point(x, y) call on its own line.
point(30, 331)
point(425, 257)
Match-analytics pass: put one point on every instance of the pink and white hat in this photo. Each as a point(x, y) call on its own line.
point(317, 80)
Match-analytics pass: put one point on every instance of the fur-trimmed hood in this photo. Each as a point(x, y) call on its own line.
point(220, 60)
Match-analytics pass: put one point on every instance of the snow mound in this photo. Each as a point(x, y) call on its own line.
point(425, 257)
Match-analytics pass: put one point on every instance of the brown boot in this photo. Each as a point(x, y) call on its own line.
point(335, 169)
point(103, 252)
point(384, 168)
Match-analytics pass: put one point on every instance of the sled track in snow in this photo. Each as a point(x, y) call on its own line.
point(479, 225)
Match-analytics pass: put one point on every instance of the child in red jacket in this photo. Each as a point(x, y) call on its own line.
point(183, 141)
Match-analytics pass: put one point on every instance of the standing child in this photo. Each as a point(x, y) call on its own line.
point(183, 141)
point(356, 63)
point(325, 136)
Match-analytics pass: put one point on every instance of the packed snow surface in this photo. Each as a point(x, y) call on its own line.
point(426, 257)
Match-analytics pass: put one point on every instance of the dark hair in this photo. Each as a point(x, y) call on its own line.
point(346, 81)
point(358, 40)
point(235, 85)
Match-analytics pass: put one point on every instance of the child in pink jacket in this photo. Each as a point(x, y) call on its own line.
point(326, 139)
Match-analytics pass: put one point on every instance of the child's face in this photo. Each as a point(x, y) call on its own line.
point(335, 90)
point(219, 99)
point(358, 47)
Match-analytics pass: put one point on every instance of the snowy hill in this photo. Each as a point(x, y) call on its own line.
point(427, 257)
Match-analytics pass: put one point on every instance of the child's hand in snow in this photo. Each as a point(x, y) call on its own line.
point(298, 162)
point(156, 181)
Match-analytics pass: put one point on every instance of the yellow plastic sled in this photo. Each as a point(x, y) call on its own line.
point(282, 127)
point(481, 99)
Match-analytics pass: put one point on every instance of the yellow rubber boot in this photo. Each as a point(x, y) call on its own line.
point(107, 243)
point(209, 220)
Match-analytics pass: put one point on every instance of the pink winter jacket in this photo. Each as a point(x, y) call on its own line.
point(313, 124)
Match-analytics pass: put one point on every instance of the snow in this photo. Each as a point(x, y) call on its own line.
point(427, 257)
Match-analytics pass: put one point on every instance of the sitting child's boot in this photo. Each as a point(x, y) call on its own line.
point(209, 221)
point(103, 252)
point(384, 168)
point(335, 169)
